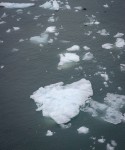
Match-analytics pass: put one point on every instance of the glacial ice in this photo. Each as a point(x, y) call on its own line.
point(62, 102)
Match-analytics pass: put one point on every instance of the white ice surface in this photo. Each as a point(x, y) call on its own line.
point(73, 48)
point(107, 46)
point(83, 130)
point(67, 58)
point(49, 133)
point(42, 39)
point(118, 35)
point(101, 140)
point(16, 5)
point(103, 32)
point(88, 56)
point(120, 42)
point(51, 29)
point(86, 48)
point(52, 5)
point(62, 102)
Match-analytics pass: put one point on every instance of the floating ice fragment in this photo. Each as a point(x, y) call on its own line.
point(120, 42)
point(105, 76)
point(106, 5)
point(2, 66)
point(113, 142)
point(107, 46)
point(52, 5)
point(109, 147)
point(16, 28)
point(101, 140)
point(16, 5)
point(73, 48)
point(49, 133)
point(122, 67)
point(88, 56)
point(68, 58)
point(51, 29)
point(86, 48)
point(103, 32)
point(83, 130)
point(118, 35)
point(42, 39)
point(62, 102)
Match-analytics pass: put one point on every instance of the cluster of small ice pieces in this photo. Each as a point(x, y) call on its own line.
point(111, 146)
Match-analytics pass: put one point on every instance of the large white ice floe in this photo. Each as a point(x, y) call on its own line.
point(42, 39)
point(110, 110)
point(73, 48)
point(16, 5)
point(67, 59)
point(52, 5)
point(62, 102)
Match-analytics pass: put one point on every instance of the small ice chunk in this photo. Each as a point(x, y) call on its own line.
point(16, 5)
point(107, 46)
point(51, 29)
point(120, 42)
point(101, 140)
point(113, 142)
point(16, 28)
point(78, 7)
point(68, 58)
point(106, 5)
point(88, 56)
point(2, 66)
point(42, 39)
point(2, 22)
point(118, 35)
point(83, 130)
point(62, 102)
point(50, 5)
point(49, 133)
point(8, 31)
point(86, 48)
point(105, 76)
point(66, 126)
point(103, 32)
point(73, 48)
point(122, 67)
point(109, 147)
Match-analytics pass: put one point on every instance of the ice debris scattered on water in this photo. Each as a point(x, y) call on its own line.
point(73, 48)
point(83, 130)
point(62, 102)
point(16, 5)
point(120, 42)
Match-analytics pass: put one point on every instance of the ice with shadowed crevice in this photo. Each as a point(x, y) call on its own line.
point(62, 102)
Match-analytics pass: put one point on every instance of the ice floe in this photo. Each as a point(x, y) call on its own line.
point(67, 59)
point(51, 29)
point(83, 130)
point(16, 5)
point(88, 56)
point(62, 102)
point(73, 48)
point(101, 140)
point(86, 48)
point(42, 39)
point(118, 35)
point(92, 21)
point(122, 67)
point(49, 133)
point(103, 32)
point(52, 5)
point(120, 42)
point(107, 46)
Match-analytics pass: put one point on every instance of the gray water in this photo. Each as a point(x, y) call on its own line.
point(32, 66)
